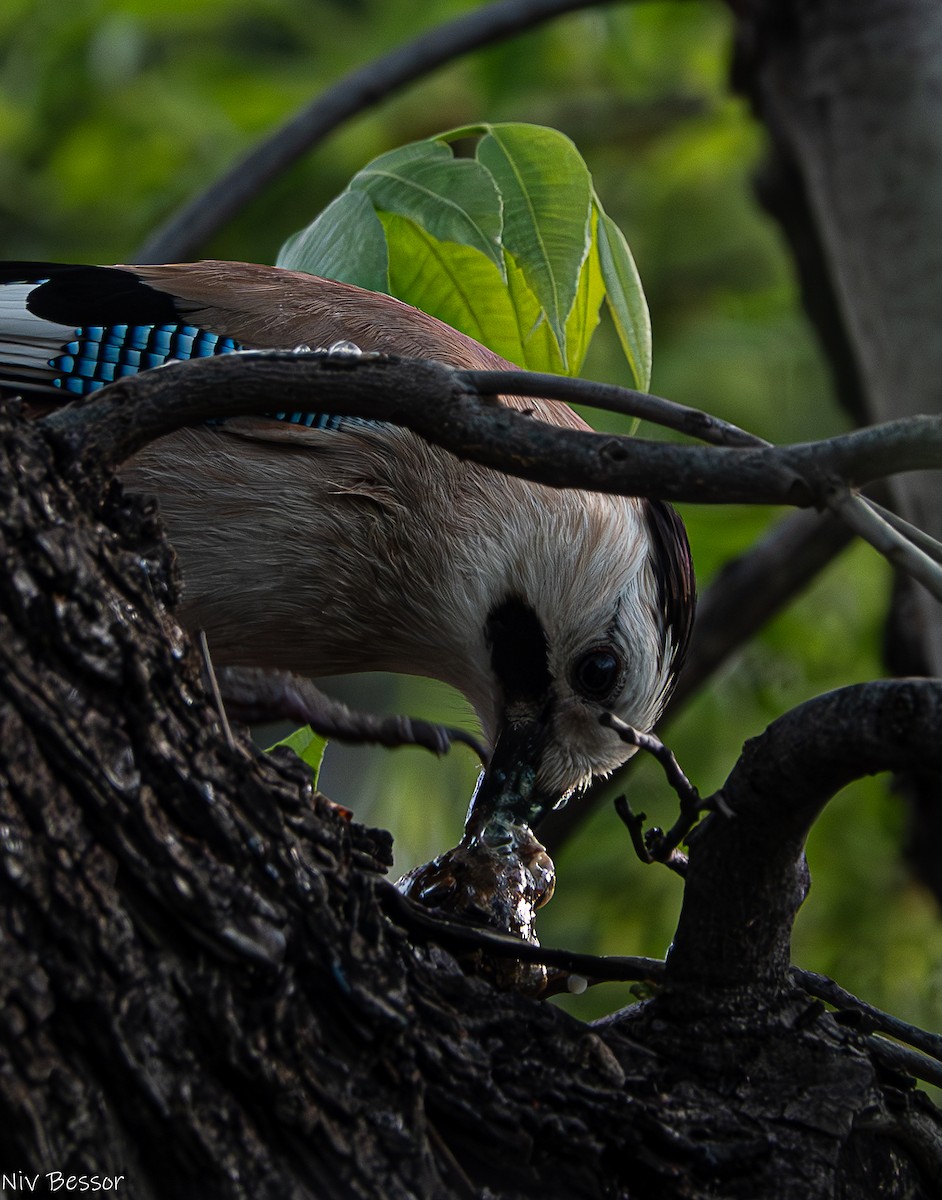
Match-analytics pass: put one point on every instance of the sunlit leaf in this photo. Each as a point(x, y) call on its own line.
point(455, 283)
point(584, 317)
point(510, 247)
point(539, 347)
point(625, 298)
point(307, 745)
point(547, 192)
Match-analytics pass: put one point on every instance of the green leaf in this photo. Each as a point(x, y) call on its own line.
point(584, 317)
point(539, 347)
point(453, 199)
point(459, 285)
point(345, 242)
point(547, 194)
point(512, 247)
point(307, 745)
point(455, 283)
point(625, 298)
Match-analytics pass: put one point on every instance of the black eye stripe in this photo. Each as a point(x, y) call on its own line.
point(519, 650)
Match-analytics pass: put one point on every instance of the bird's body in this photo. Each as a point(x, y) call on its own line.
point(328, 546)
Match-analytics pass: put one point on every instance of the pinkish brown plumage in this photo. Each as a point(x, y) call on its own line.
point(344, 545)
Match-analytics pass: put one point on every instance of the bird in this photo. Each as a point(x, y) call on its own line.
point(329, 545)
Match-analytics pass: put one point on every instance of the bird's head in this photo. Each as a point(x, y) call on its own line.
point(589, 610)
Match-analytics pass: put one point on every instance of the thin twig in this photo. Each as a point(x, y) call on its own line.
point(895, 547)
point(214, 687)
point(917, 536)
point(648, 845)
point(905, 1061)
point(608, 397)
point(254, 695)
point(687, 794)
point(448, 931)
point(634, 823)
point(826, 989)
point(655, 845)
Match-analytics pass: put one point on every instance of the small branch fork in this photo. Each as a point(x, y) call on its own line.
point(251, 695)
point(655, 845)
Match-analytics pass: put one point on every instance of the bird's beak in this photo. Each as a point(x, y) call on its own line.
point(508, 792)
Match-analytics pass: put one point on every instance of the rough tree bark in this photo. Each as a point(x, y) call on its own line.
point(207, 988)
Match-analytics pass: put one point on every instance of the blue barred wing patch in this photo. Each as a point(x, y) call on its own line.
point(319, 420)
point(100, 354)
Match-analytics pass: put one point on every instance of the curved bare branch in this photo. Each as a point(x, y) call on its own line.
point(608, 397)
point(738, 935)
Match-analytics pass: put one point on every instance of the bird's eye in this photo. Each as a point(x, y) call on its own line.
point(597, 673)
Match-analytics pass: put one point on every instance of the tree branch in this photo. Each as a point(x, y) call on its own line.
point(253, 695)
point(928, 544)
point(895, 546)
point(608, 397)
point(430, 399)
point(776, 791)
point(873, 1018)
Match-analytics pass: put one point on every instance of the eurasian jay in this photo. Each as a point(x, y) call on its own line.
point(328, 545)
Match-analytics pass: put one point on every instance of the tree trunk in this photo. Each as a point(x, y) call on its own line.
point(206, 990)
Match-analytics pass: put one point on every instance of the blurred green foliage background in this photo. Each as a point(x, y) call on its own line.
point(113, 112)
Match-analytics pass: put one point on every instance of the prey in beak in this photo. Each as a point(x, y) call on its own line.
point(499, 874)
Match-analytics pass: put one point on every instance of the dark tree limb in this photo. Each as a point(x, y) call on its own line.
point(429, 398)
point(776, 791)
